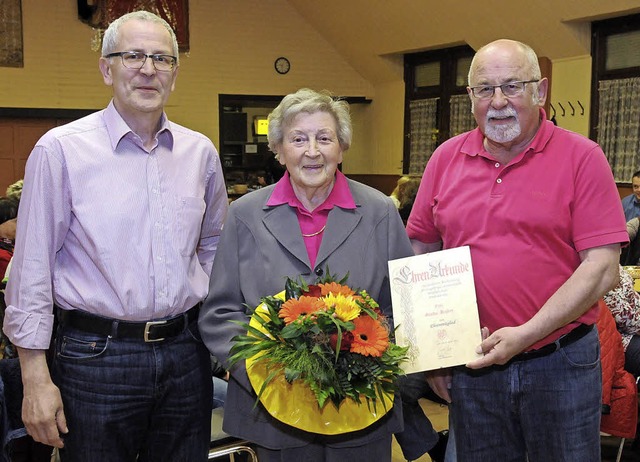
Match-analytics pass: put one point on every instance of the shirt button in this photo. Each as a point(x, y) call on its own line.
point(319, 272)
point(497, 164)
point(499, 180)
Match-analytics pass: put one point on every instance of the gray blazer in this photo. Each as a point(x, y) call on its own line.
point(260, 246)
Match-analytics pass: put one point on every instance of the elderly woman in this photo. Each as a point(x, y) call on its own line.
point(311, 219)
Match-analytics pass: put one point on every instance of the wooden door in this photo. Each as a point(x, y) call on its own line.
point(20, 129)
point(17, 138)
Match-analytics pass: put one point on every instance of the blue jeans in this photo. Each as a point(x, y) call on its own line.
point(219, 392)
point(126, 400)
point(451, 454)
point(542, 409)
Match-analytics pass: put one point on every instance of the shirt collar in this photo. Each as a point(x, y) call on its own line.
point(339, 196)
point(474, 144)
point(117, 128)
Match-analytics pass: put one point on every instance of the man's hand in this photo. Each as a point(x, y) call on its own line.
point(42, 412)
point(43, 415)
point(499, 347)
point(440, 382)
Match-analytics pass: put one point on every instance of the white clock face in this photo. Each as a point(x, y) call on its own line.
point(282, 65)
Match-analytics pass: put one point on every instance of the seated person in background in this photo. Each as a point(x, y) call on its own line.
point(220, 376)
point(631, 203)
point(630, 255)
point(394, 194)
point(624, 303)
point(8, 224)
point(15, 190)
point(8, 213)
point(405, 193)
point(632, 228)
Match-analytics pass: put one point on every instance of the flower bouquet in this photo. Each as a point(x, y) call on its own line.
point(314, 353)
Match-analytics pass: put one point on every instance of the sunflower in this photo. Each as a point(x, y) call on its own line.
point(293, 308)
point(335, 288)
point(345, 307)
point(370, 338)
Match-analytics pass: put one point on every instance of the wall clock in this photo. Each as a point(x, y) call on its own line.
point(282, 65)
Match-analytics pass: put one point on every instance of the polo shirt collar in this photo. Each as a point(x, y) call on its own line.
point(339, 196)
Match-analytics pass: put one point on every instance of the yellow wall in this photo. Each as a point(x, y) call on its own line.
point(571, 83)
point(379, 127)
point(233, 47)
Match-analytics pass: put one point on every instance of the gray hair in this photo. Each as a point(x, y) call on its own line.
point(15, 190)
point(531, 59)
point(110, 39)
point(310, 101)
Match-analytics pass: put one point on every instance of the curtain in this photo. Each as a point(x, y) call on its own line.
point(11, 53)
point(424, 133)
point(619, 125)
point(461, 119)
point(100, 13)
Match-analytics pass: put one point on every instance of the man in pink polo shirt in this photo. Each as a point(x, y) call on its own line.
point(539, 209)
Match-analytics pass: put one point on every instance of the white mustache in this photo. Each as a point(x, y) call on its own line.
point(502, 113)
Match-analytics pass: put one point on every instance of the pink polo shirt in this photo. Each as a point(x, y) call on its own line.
point(525, 221)
point(312, 223)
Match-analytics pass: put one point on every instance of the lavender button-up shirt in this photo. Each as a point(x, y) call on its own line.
point(111, 228)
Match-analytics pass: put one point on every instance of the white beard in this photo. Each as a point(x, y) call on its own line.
point(504, 133)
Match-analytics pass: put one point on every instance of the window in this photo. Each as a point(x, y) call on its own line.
point(436, 102)
point(615, 97)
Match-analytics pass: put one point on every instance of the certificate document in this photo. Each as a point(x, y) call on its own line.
point(435, 309)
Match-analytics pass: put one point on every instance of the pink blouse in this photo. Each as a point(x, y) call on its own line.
point(313, 224)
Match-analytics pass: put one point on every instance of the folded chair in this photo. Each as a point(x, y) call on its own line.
point(223, 445)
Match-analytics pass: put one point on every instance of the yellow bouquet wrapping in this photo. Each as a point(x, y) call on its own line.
point(320, 357)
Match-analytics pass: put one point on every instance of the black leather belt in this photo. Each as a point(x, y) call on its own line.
point(149, 331)
point(566, 340)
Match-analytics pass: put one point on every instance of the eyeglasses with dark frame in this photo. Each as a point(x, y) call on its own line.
point(136, 60)
point(509, 89)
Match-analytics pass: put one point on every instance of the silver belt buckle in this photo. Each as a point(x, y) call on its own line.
point(146, 331)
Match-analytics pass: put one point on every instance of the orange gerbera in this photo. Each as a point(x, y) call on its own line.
point(370, 338)
point(335, 288)
point(293, 308)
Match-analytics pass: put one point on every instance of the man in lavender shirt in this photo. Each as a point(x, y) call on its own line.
point(117, 230)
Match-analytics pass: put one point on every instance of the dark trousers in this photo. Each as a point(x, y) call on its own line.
point(127, 400)
point(418, 435)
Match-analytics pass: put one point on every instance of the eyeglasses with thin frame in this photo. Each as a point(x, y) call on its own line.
point(136, 60)
point(509, 89)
